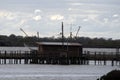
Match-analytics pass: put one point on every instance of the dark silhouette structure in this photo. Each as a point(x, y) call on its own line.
point(60, 52)
point(113, 75)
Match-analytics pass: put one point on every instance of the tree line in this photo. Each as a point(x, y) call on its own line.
point(13, 40)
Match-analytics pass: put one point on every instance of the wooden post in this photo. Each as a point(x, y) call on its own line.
point(104, 58)
point(117, 55)
point(0, 57)
point(5, 57)
point(119, 59)
point(95, 58)
point(88, 55)
point(12, 58)
point(112, 61)
point(20, 57)
point(100, 58)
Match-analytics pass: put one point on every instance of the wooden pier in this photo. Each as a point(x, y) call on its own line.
point(32, 57)
point(102, 58)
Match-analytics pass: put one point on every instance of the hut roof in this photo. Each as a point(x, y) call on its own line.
point(59, 43)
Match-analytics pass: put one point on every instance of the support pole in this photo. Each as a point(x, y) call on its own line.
point(62, 34)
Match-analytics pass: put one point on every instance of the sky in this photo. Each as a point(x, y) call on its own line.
point(97, 18)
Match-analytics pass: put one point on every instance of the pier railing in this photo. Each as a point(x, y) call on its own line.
point(32, 57)
point(101, 58)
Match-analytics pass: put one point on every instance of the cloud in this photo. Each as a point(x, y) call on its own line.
point(69, 9)
point(85, 20)
point(76, 4)
point(7, 15)
point(11, 21)
point(37, 11)
point(21, 23)
point(115, 15)
point(106, 20)
point(56, 17)
point(37, 18)
point(94, 16)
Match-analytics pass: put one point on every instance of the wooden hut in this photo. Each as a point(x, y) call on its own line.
point(59, 52)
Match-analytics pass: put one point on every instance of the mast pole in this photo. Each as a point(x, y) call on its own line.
point(62, 34)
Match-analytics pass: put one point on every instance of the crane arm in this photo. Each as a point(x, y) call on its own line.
point(26, 36)
point(78, 30)
point(24, 32)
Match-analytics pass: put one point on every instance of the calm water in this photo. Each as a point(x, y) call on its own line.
point(22, 49)
point(52, 72)
point(101, 49)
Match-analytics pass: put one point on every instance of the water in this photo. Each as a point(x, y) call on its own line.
point(53, 72)
point(101, 50)
point(21, 49)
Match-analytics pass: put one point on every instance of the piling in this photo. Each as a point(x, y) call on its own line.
point(99, 58)
point(95, 58)
point(104, 58)
point(0, 57)
point(5, 57)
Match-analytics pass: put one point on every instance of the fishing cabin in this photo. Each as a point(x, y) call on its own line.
point(60, 52)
